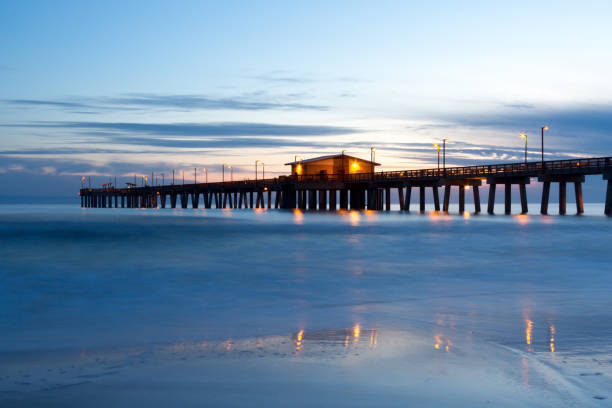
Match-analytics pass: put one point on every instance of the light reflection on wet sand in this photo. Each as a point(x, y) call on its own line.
point(403, 358)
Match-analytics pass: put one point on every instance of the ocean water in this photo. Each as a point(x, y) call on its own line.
point(122, 307)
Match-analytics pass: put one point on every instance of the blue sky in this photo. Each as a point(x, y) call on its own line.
point(117, 88)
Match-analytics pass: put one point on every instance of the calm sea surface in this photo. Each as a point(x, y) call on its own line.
point(368, 307)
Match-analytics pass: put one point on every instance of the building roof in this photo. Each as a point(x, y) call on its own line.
point(331, 156)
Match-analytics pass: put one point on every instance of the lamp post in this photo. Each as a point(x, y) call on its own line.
point(163, 179)
point(444, 154)
point(206, 172)
point(263, 170)
point(437, 146)
point(372, 157)
point(543, 129)
point(231, 172)
point(183, 174)
point(173, 176)
point(195, 175)
point(82, 180)
point(524, 136)
point(256, 163)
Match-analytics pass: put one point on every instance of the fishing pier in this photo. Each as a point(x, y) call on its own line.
point(366, 189)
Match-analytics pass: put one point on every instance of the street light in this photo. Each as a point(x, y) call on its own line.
point(524, 136)
point(163, 179)
point(231, 172)
point(543, 129)
point(173, 176)
point(195, 175)
point(206, 171)
point(183, 174)
point(437, 146)
point(263, 170)
point(256, 163)
point(444, 154)
point(82, 181)
point(372, 157)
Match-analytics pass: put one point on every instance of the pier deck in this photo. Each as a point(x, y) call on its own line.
point(365, 190)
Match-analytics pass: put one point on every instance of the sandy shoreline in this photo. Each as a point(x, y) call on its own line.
point(353, 366)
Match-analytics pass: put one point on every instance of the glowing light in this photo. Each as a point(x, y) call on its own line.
point(466, 215)
point(298, 217)
point(355, 164)
point(356, 332)
point(528, 331)
point(545, 128)
point(373, 338)
point(442, 341)
point(298, 340)
point(355, 218)
point(552, 338)
point(522, 218)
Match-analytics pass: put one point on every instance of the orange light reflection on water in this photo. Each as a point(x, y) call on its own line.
point(298, 217)
point(356, 332)
point(522, 219)
point(299, 341)
point(355, 218)
point(552, 338)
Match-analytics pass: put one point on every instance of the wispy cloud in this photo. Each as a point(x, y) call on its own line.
point(198, 129)
point(172, 102)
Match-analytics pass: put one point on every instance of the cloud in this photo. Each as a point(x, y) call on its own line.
point(568, 121)
point(176, 102)
point(225, 143)
point(281, 77)
point(198, 129)
point(203, 102)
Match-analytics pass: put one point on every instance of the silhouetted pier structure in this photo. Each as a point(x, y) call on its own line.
point(371, 190)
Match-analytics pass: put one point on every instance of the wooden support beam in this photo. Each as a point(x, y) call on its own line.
point(422, 198)
point(173, 200)
point(371, 192)
point(523, 192)
point(323, 200)
point(476, 199)
point(408, 193)
point(312, 199)
point(461, 199)
point(562, 197)
point(491, 204)
point(436, 198)
point(332, 200)
point(400, 196)
point(277, 199)
point(269, 198)
point(195, 199)
point(388, 199)
point(579, 200)
point(250, 199)
point(508, 199)
point(545, 196)
point(446, 203)
point(344, 199)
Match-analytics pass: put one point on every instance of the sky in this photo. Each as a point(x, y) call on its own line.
point(124, 88)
